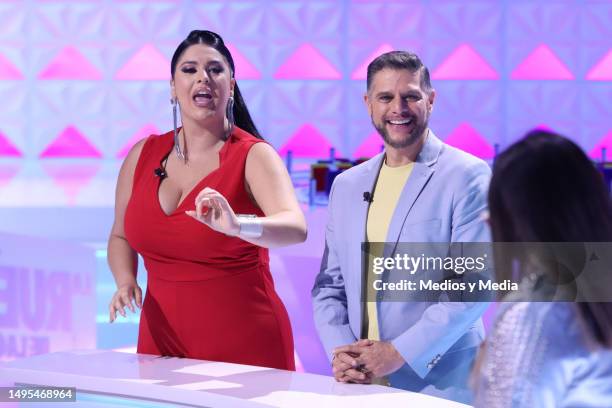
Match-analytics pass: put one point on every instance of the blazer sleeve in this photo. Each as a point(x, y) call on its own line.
point(328, 294)
point(444, 323)
point(528, 358)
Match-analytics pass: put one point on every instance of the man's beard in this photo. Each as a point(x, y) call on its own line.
point(412, 138)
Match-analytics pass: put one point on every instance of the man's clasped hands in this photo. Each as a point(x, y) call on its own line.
point(365, 360)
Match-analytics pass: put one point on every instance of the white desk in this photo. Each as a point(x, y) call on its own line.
point(152, 380)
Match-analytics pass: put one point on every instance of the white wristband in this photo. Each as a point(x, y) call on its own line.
point(250, 226)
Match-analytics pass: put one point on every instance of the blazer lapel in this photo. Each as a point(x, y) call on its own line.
point(368, 181)
point(421, 173)
point(357, 231)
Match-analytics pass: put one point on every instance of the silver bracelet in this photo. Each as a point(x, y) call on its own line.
point(250, 226)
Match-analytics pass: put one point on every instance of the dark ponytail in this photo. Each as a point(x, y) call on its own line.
point(242, 117)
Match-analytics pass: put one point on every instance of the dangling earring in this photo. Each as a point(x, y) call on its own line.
point(177, 145)
point(229, 114)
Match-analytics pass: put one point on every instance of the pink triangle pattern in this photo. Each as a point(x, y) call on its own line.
point(8, 70)
point(244, 68)
point(8, 172)
point(464, 63)
point(69, 63)
point(606, 142)
point(148, 63)
point(361, 72)
point(370, 147)
point(307, 63)
point(71, 177)
point(7, 148)
point(602, 71)
point(543, 126)
point(466, 138)
point(145, 131)
point(70, 143)
point(307, 141)
point(542, 64)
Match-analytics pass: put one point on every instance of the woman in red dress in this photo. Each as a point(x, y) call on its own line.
point(210, 294)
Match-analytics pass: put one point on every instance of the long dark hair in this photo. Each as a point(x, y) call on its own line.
point(545, 189)
point(242, 117)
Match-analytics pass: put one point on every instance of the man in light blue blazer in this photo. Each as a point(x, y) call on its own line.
point(418, 190)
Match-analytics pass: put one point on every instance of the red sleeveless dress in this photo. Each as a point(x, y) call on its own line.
point(209, 296)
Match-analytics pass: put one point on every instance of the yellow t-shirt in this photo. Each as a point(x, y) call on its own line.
point(389, 186)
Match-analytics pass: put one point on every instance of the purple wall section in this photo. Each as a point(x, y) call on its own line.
point(83, 78)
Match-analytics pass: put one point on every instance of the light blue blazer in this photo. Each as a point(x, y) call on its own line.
point(442, 201)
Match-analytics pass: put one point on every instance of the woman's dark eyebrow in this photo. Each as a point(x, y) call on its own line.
point(196, 62)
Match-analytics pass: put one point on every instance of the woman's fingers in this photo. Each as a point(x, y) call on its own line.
point(212, 199)
point(213, 202)
point(138, 296)
point(126, 299)
point(213, 210)
point(215, 195)
point(115, 307)
point(123, 298)
point(111, 312)
point(207, 218)
point(198, 208)
point(205, 203)
point(202, 205)
point(207, 192)
point(119, 305)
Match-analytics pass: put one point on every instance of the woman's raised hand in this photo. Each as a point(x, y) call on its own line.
point(213, 210)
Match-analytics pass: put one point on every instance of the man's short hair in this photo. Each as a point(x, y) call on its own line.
point(400, 60)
